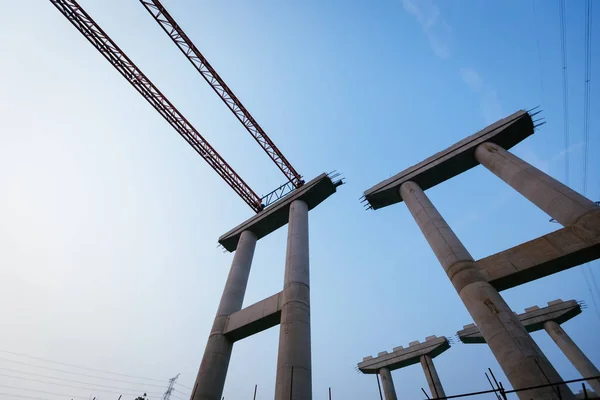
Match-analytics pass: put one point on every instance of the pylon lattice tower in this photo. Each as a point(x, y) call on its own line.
point(167, 394)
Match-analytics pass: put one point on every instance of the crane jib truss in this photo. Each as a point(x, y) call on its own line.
point(187, 47)
point(95, 35)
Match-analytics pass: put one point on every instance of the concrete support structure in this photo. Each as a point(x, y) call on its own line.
point(254, 319)
point(387, 383)
point(290, 307)
point(546, 255)
point(213, 368)
point(433, 380)
point(550, 318)
point(294, 361)
point(452, 161)
point(402, 357)
point(533, 319)
point(559, 201)
point(573, 353)
point(520, 358)
point(478, 282)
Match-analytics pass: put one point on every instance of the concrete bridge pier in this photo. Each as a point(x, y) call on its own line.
point(433, 380)
point(215, 362)
point(573, 353)
point(293, 379)
point(557, 200)
point(402, 357)
point(520, 358)
point(387, 383)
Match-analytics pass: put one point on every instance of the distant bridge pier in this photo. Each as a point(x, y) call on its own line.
point(478, 282)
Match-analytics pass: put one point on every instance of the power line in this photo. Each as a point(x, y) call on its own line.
point(187, 387)
point(43, 391)
point(80, 374)
point(131, 392)
point(79, 366)
point(563, 42)
point(65, 380)
point(586, 95)
point(563, 45)
point(539, 54)
point(586, 135)
point(179, 391)
point(585, 268)
point(19, 395)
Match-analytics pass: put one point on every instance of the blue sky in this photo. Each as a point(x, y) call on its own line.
point(110, 221)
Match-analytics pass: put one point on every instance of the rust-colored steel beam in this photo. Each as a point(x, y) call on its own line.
point(187, 47)
point(104, 44)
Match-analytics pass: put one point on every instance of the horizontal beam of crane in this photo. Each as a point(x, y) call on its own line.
point(104, 44)
point(187, 47)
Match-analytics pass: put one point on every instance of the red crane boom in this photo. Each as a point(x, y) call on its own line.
point(104, 44)
point(187, 47)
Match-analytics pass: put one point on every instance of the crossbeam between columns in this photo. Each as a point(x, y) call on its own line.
point(255, 318)
point(557, 251)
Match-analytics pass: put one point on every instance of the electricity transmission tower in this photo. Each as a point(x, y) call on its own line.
point(169, 390)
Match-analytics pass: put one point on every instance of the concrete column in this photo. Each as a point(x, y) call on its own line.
point(293, 380)
point(557, 200)
point(213, 368)
point(574, 354)
point(389, 391)
point(433, 380)
point(520, 358)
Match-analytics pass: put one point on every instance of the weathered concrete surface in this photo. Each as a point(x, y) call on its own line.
point(452, 161)
point(521, 359)
point(557, 251)
point(557, 200)
point(579, 360)
point(294, 357)
point(433, 379)
point(387, 384)
point(402, 357)
point(533, 319)
point(276, 215)
point(215, 361)
point(254, 319)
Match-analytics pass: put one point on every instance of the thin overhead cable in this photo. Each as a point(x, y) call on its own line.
point(539, 54)
point(563, 45)
point(130, 392)
point(80, 374)
point(165, 384)
point(183, 386)
point(79, 366)
point(69, 380)
point(586, 95)
point(43, 391)
point(586, 137)
point(10, 395)
point(584, 269)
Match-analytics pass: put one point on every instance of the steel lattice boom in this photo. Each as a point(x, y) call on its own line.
point(187, 47)
point(86, 25)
